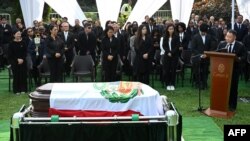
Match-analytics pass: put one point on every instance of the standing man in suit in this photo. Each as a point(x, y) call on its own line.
point(151, 26)
point(242, 31)
point(183, 36)
point(7, 37)
point(246, 42)
point(1, 48)
point(237, 48)
point(68, 39)
point(240, 28)
point(121, 40)
point(87, 41)
point(201, 42)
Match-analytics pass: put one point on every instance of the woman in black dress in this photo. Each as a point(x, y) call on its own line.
point(143, 58)
point(110, 46)
point(17, 53)
point(55, 55)
point(171, 44)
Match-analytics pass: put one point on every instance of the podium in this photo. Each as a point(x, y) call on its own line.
point(221, 67)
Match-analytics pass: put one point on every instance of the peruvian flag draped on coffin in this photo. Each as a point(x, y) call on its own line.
point(104, 99)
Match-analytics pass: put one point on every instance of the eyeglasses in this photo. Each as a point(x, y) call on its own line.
point(30, 31)
point(89, 27)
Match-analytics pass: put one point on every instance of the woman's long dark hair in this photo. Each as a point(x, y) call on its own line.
point(107, 29)
point(138, 39)
point(167, 35)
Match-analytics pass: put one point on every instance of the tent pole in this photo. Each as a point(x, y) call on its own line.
point(180, 20)
point(233, 6)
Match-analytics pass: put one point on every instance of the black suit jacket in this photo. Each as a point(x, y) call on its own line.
point(175, 44)
point(122, 45)
point(148, 28)
point(110, 48)
point(144, 46)
point(198, 47)
point(85, 45)
point(185, 40)
point(7, 33)
point(17, 50)
point(1, 36)
point(54, 46)
point(238, 50)
point(246, 42)
point(69, 43)
point(241, 33)
point(191, 32)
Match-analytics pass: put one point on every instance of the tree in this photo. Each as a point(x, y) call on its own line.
point(17, 11)
point(216, 8)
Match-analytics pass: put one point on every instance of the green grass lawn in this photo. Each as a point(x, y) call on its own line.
point(184, 98)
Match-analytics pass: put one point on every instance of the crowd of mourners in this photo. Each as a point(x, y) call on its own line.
point(139, 46)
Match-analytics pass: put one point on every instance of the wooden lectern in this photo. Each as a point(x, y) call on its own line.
point(221, 66)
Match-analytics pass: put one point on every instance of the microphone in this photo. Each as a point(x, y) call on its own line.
point(222, 49)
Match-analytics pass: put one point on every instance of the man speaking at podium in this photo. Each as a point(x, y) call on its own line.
point(230, 45)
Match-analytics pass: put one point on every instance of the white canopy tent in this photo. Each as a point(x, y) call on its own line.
point(181, 10)
point(108, 10)
point(244, 8)
point(143, 8)
point(32, 10)
point(138, 12)
point(154, 7)
point(67, 8)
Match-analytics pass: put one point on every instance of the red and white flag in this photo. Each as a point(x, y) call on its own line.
point(104, 99)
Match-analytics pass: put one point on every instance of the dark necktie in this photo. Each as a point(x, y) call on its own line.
point(239, 26)
point(230, 48)
point(181, 38)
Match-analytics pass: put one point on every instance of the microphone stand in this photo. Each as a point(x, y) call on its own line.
point(200, 109)
point(197, 60)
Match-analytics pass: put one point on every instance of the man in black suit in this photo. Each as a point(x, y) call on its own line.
point(87, 41)
point(201, 42)
point(77, 28)
point(240, 28)
point(1, 48)
point(68, 39)
point(120, 37)
point(237, 48)
point(146, 22)
point(183, 35)
point(6, 39)
point(246, 42)
point(151, 26)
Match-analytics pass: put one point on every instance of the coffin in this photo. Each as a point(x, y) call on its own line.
point(40, 100)
point(95, 99)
